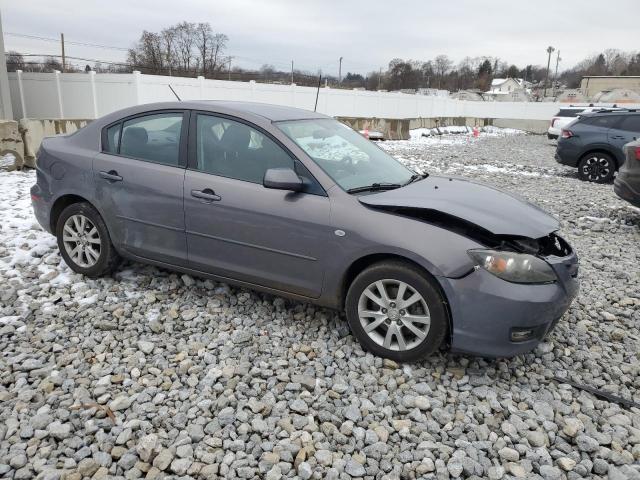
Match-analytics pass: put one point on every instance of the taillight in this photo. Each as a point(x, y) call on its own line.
point(638, 153)
point(567, 134)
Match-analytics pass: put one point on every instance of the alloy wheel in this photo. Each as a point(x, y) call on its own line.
point(596, 168)
point(394, 314)
point(81, 241)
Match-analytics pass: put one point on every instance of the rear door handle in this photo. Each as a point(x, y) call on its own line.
point(207, 194)
point(111, 175)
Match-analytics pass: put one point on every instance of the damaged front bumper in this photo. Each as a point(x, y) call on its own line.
point(495, 318)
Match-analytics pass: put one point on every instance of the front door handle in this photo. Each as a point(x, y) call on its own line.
point(111, 175)
point(207, 194)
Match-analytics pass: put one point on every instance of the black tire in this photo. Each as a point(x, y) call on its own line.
point(107, 259)
point(419, 282)
point(597, 167)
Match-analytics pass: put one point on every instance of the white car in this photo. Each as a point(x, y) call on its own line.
point(567, 115)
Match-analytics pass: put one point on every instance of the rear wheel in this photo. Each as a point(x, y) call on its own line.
point(84, 241)
point(596, 167)
point(396, 311)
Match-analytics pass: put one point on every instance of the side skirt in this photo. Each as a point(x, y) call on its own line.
point(322, 302)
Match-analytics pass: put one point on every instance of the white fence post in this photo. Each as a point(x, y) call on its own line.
point(201, 85)
point(136, 84)
point(56, 73)
point(94, 97)
point(23, 108)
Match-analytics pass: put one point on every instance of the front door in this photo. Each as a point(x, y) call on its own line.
point(239, 229)
point(626, 130)
point(139, 178)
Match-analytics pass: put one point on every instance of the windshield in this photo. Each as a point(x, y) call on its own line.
point(347, 157)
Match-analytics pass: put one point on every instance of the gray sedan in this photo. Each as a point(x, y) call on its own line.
point(295, 203)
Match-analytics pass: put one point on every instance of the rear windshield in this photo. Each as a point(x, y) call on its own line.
point(569, 112)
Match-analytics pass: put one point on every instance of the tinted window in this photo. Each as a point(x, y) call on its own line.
point(630, 123)
point(113, 139)
point(605, 121)
point(155, 138)
point(235, 150)
point(565, 112)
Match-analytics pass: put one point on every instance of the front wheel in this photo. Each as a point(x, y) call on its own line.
point(596, 167)
point(396, 311)
point(84, 242)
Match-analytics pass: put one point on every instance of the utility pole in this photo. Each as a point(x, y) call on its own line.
point(550, 50)
point(291, 72)
point(340, 72)
point(63, 56)
point(6, 111)
point(555, 77)
point(229, 71)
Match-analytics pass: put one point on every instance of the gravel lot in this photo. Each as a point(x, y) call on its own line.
point(152, 374)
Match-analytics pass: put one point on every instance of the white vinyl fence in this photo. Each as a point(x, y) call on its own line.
point(91, 95)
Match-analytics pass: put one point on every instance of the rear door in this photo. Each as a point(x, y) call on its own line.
point(235, 226)
point(139, 177)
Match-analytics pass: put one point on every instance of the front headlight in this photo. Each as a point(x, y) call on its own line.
point(514, 267)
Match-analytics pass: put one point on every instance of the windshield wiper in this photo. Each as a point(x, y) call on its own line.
point(375, 187)
point(417, 176)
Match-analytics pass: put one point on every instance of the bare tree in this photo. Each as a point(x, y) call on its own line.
point(442, 65)
point(15, 61)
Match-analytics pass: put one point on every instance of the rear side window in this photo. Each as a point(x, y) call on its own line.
point(113, 139)
point(604, 121)
point(630, 123)
point(155, 138)
point(565, 112)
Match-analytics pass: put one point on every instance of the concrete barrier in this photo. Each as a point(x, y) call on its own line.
point(11, 141)
point(25, 144)
point(392, 129)
point(34, 130)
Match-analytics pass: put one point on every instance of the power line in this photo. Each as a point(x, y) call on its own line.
point(57, 40)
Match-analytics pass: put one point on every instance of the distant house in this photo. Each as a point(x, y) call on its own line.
point(508, 90)
point(506, 85)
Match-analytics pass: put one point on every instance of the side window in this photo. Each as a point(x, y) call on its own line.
point(630, 123)
point(113, 139)
point(604, 121)
point(155, 138)
point(235, 150)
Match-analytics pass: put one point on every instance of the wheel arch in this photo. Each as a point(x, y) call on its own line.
point(62, 202)
point(364, 262)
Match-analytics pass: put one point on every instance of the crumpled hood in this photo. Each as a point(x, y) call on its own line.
point(499, 212)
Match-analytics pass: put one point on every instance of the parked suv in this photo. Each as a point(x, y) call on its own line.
point(593, 142)
point(565, 116)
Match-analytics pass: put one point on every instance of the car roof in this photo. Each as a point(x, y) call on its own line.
point(612, 111)
point(274, 113)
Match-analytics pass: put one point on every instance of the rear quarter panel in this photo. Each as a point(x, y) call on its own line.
point(65, 169)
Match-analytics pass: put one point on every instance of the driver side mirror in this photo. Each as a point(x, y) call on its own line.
point(282, 179)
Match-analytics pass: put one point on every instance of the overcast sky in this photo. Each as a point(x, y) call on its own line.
point(315, 33)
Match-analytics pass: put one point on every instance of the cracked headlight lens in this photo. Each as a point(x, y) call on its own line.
point(514, 267)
